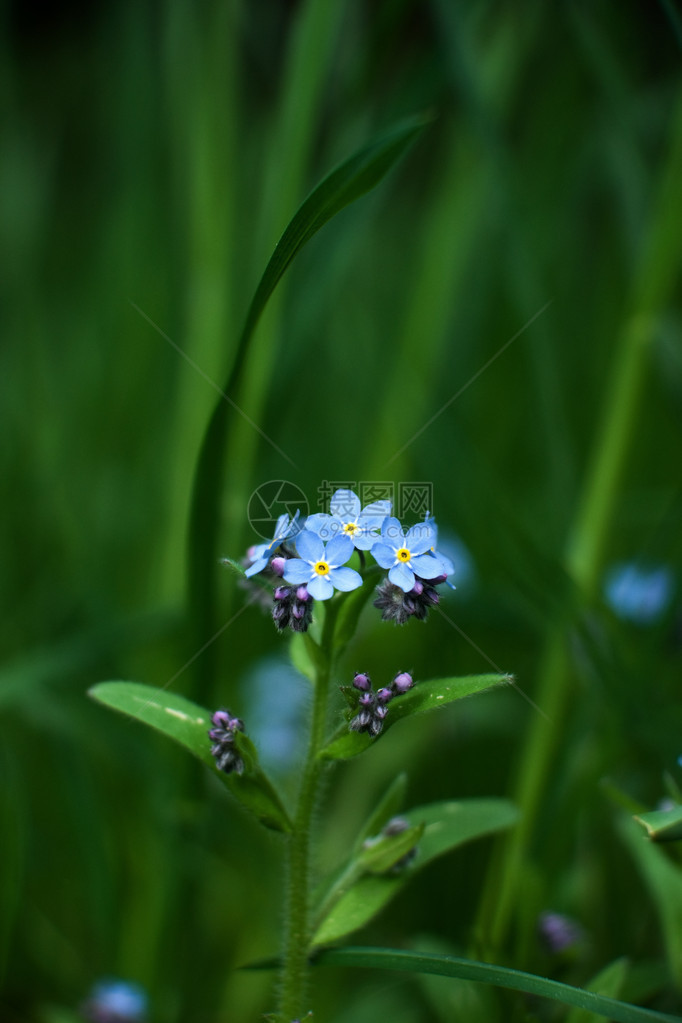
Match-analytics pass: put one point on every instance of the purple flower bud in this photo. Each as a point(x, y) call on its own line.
point(438, 580)
point(384, 695)
point(222, 719)
point(282, 592)
point(277, 565)
point(402, 682)
point(366, 700)
point(375, 727)
point(302, 594)
point(361, 721)
point(418, 587)
point(362, 682)
point(395, 826)
point(298, 610)
point(381, 711)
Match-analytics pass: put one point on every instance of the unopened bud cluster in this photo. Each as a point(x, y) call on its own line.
point(397, 606)
point(292, 607)
point(372, 706)
point(222, 736)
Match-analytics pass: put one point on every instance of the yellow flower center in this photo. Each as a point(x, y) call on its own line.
point(403, 554)
point(321, 567)
point(351, 528)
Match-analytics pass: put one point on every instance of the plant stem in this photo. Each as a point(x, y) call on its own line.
point(294, 976)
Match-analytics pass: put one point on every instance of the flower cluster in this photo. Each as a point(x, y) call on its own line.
point(372, 707)
point(222, 736)
point(311, 557)
point(293, 607)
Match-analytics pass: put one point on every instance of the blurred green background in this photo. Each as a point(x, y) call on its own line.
point(151, 157)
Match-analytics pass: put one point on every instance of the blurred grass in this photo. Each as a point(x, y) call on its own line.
point(154, 154)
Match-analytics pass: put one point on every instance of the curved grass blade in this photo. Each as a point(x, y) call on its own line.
point(446, 826)
point(348, 182)
point(662, 825)
point(187, 724)
point(425, 696)
point(501, 976)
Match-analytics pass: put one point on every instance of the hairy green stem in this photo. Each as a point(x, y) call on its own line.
point(294, 976)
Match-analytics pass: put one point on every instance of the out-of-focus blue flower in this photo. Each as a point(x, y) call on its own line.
point(349, 518)
point(276, 700)
point(404, 553)
point(639, 595)
point(285, 529)
point(319, 566)
point(115, 1001)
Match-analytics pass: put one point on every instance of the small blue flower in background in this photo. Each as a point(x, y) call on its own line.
point(559, 933)
point(405, 553)
point(349, 518)
point(636, 594)
point(319, 566)
point(285, 529)
point(277, 698)
point(115, 1001)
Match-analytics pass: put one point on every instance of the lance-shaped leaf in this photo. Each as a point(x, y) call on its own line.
point(425, 696)
point(485, 973)
point(342, 186)
point(188, 724)
point(446, 826)
point(662, 825)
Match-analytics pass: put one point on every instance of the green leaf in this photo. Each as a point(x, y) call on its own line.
point(446, 826)
point(234, 567)
point(608, 981)
point(662, 825)
point(423, 697)
point(390, 804)
point(485, 973)
point(348, 182)
point(188, 724)
point(664, 881)
point(305, 655)
point(382, 853)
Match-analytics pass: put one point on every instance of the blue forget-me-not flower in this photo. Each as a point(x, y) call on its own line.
point(285, 529)
point(319, 565)
point(349, 518)
point(409, 553)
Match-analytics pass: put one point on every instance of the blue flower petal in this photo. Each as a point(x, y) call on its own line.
point(309, 546)
point(419, 538)
point(403, 576)
point(392, 531)
point(427, 566)
point(339, 550)
point(366, 540)
point(345, 504)
point(383, 555)
point(448, 565)
point(380, 509)
point(320, 524)
point(320, 587)
point(256, 567)
point(297, 571)
point(283, 526)
point(345, 579)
